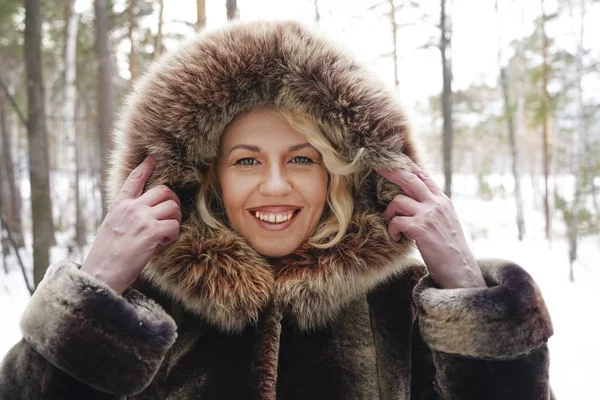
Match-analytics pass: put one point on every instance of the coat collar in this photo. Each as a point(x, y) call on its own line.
point(224, 280)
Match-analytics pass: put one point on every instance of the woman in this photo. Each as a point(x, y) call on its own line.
point(264, 207)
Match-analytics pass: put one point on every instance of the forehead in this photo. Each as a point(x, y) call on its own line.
point(262, 127)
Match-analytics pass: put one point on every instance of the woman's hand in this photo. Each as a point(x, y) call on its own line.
point(427, 215)
point(134, 226)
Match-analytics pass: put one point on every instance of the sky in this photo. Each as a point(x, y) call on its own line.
point(367, 34)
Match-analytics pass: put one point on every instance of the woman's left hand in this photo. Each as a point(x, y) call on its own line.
point(427, 216)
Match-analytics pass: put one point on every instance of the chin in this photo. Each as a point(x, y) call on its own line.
point(274, 250)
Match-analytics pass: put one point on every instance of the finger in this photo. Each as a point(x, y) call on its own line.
point(134, 184)
point(397, 226)
point(169, 231)
point(426, 178)
point(409, 182)
point(166, 210)
point(159, 194)
point(403, 205)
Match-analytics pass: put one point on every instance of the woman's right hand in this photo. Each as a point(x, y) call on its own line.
point(132, 229)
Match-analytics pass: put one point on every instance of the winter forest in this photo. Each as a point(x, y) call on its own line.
point(503, 96)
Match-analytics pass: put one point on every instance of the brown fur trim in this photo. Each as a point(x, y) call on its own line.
point(72, 315)
point(219, 277)
point(504, 321)
point(313, 284)
point(177, 113)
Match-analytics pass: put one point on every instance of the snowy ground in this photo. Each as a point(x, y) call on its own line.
point(490, 228)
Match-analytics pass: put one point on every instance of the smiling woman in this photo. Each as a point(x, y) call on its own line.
point(259, 246)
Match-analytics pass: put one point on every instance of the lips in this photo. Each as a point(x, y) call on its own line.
point(275, 209)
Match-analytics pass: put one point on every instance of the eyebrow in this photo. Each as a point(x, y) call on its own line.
point(256, 149)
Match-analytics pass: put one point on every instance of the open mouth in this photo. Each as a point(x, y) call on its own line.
point(275, 218)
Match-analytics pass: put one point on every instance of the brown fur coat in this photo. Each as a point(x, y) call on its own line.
point(210, 318)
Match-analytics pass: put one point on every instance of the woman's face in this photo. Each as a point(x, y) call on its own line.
point(273, 182)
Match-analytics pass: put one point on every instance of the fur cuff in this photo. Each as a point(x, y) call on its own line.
point(114, 344)
point(506, 320)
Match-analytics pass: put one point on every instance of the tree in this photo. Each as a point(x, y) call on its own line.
point(317, 13)
point(578, 219)
point(545, 99)
point(447, 135)
point(232, 10)
point(41, 207)
point(520, 122)
point(158, 40)
point(69, 115)
point(392, 11)
point(9, 189)
point(104, 90)
point(394, 26)
point(11, 49)
point(509, 116)
point(131, 13)
point(201, 15)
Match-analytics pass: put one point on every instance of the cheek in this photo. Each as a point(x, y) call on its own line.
point(315, 189)
point(235, 191)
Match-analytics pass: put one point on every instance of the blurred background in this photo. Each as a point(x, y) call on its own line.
point(503, 95)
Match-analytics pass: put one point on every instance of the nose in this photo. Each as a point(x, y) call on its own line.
point(275, 183)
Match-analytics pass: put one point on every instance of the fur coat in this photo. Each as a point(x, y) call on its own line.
point(210, 318)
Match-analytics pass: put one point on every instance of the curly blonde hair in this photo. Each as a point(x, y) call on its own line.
point(343, 177)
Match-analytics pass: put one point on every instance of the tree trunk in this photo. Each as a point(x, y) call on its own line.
point(521, 133)
point(69, 111)
point(41, 206)
point(80, 225)
point(9, 190)
point(232, 10)
point(514, 154)
point(445, 45)
point(545, 116)
point(131, 13)
point(317, 13)
point(201, 15)
point(394, 27)
point(158, 40)
point(104, 114)
point(580, 145)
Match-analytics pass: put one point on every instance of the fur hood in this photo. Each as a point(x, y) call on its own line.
point(177, 113)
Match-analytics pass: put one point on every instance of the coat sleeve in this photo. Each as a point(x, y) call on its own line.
point(486, 343)
point(82, 340)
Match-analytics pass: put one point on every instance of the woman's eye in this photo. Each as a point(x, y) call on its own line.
point(246, 161)
point(301, 160)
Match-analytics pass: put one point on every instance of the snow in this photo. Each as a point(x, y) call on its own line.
point(490, 228)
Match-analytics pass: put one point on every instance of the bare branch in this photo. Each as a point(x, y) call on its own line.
point(13, 103)
point(16, 248)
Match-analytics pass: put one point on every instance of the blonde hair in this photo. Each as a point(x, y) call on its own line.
point(336, 217)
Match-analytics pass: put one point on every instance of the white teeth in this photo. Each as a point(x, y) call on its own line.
point(273, 218)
